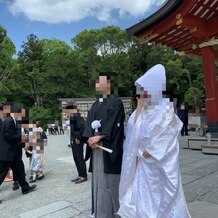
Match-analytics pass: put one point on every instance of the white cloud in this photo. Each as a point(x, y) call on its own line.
point(57, 11)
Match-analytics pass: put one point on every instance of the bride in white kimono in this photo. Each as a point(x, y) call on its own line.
point(150, 185)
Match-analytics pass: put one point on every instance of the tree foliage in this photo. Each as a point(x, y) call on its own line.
point(48, 69)
point(7, 65)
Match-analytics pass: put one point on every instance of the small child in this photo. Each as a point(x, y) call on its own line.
point(37, 162)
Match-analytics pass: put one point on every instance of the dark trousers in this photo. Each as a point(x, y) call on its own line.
point(18, 170)
point(78, 157)
point(61, 131)
point(184, 130)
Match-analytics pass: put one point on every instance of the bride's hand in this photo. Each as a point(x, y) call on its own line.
point(140, 101)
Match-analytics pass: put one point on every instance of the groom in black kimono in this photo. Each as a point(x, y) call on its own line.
point(105, 167)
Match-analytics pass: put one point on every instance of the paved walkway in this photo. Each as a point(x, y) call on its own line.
point(56, 196)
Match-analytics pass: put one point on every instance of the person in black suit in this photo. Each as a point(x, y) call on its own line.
point(76, 131)
point(15, 184)
point(183, 116)
point(11, 147)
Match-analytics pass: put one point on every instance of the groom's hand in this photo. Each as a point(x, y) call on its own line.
point(94, 140)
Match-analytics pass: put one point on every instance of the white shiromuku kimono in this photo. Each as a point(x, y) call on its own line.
point(151, 187)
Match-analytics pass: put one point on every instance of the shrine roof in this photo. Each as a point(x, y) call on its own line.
point(184, 25)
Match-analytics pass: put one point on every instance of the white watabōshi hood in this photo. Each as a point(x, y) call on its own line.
point(154, 82)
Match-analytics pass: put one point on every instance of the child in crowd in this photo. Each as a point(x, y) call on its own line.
point(38, 138)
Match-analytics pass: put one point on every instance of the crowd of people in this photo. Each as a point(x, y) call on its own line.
point(135, 167)
point(55, 129)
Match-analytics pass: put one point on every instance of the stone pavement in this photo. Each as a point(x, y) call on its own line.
point(56, 196)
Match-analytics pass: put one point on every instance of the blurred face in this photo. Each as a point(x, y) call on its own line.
point(72, 112)
point(143, 93)
point(103, 85)
point(7, 110)
point(19, 115)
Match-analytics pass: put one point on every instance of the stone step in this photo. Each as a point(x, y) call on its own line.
point(197, 142)
point(210, 149)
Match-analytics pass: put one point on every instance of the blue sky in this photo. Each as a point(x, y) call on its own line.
point(64, 19)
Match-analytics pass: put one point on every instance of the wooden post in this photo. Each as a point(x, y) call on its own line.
point(211, 86)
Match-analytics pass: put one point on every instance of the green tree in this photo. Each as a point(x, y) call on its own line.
point(44, 115)
point(46, 70)
point(194, 97)
point(7, 65)
point(105, 49)
point(64, 74)
point(31, 72)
